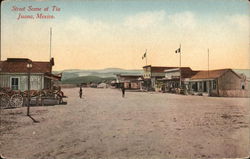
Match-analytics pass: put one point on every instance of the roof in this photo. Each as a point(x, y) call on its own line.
point(159, 69)
point(186, 72)
point(18, 60)
point(129, 75)
point(212, 74)
point(19, 65)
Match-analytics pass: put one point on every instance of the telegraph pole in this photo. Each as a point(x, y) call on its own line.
point(1, 33)
point(208, 62)
point(180, 66)
point(50, 43)
point(209, 82)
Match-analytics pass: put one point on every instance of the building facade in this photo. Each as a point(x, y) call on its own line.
point(175, 80)
point(129, 81)
point(14, 74)
point(223, 82)
point(152, 76)
point(184, 80)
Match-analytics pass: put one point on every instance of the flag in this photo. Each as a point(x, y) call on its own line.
point(178, 50)
point(144, 55)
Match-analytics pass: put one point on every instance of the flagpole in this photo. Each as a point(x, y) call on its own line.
point(208, 62)
point(208, 70)
point(180, 66)
point(50, 43)
point(146, 57)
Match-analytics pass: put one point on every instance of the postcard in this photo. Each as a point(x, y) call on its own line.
point(136, 79)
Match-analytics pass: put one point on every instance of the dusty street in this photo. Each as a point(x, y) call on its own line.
point(141, 125)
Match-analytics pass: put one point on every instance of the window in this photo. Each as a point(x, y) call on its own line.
point(214, 84)
point(14, 83)
point(194, 86)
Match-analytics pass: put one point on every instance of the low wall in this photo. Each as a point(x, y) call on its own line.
point(234, 93)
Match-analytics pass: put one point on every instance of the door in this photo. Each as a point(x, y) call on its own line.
point(204, 86)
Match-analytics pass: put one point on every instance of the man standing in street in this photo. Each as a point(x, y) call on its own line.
point(123, 91)
point(80, 92)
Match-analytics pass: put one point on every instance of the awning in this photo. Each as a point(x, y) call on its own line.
point(53, 76)
point(167, 79)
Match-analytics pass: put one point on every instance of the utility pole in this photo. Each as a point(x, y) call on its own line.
point(209, 82)
point(1, 34)
point(180, 66)
point(208, 62)
point(50, 43)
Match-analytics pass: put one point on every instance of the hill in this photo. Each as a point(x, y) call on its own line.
point(102, 73)
point(87, 79)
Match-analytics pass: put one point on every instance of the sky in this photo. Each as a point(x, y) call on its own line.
point(116, 33)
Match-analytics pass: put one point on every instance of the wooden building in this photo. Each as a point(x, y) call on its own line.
point(152, 76)
point(171, 81)
point(129, 81)
point(14, 74)
point(223, 82)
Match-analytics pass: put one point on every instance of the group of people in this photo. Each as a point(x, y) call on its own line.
point(122, 88)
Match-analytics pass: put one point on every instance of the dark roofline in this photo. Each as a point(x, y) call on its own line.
point(18, 60)
point(51, 61)
point(164, 66)
point(146, 66)
point(158, 66)
point(131, 75)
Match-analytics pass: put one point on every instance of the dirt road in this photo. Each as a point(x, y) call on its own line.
point(141, 125)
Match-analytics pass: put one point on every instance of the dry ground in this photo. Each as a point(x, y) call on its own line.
point(141, 125)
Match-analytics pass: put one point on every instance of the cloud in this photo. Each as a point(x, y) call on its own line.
point(84, 25)
point(145, 19)
point(240, 21)
point(183, 20)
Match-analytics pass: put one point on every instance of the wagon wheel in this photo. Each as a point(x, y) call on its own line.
point(4, 100)
point(16, 100)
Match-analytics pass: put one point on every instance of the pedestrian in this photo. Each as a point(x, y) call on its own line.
point(123, 91)
point(80, 92)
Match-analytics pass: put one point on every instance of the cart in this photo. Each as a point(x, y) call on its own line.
point(10, 98)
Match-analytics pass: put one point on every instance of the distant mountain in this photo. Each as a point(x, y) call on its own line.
point(87, 79)
point(102, 73)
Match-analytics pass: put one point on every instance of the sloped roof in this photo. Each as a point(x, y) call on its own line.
point(212, 74)
point(20, 66)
